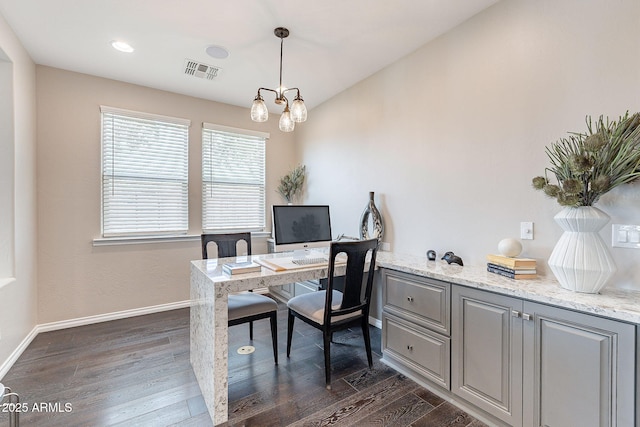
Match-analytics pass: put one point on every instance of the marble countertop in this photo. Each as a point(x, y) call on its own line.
point(619, 304)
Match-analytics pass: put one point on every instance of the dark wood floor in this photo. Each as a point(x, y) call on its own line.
point(136, 372)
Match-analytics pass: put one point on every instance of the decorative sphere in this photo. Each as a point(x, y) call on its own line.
point(510, 247)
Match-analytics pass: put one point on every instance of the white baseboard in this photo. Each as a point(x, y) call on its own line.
point(375, 322)
point(13, 357)
point(82, 321)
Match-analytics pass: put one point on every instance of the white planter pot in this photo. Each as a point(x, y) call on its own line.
point(581, 260)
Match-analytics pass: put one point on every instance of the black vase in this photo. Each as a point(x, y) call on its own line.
point(376, 217)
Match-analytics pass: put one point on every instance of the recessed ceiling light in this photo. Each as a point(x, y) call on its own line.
point(217, 52)
point(122, 46)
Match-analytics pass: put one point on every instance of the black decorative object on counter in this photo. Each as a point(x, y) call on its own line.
point(431, 255)
point(452, 258)
point(376, 217)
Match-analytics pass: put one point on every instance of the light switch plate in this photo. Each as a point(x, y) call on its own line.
point(625, 236)
point(526, 230)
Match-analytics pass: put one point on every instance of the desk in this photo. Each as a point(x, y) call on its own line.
point(210, 288)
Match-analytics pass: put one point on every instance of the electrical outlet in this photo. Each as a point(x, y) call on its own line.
point(526, 230)
point(625, 236)
point(385, 246)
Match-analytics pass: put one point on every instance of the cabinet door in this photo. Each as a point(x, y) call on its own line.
point(486, 365)
point(579, 369)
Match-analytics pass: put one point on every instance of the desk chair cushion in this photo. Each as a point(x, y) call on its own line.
point(249, 304)
point(311, 306)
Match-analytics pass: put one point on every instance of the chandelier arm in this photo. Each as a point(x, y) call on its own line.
point(266, 88)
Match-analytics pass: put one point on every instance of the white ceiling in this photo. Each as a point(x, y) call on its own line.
point(333, 43)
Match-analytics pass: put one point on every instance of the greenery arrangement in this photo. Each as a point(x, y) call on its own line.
point(587, 165)
point(291, 184)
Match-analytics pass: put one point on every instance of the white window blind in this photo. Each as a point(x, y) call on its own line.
point(144, 173)
point(233, 179)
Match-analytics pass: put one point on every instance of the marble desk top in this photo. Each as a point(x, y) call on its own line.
point(212, 268)
point(619, 304)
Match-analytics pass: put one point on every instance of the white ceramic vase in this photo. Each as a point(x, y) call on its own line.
point(581, 260)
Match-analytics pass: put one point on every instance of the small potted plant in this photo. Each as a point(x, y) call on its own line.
point(291, 184)
point(586, 166)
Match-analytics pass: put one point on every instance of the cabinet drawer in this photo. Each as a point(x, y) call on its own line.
point(424, 351)
point(417, 299)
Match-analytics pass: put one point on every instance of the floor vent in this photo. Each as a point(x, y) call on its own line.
point(200, 70)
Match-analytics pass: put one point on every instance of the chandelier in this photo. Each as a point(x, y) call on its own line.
point(289, 117)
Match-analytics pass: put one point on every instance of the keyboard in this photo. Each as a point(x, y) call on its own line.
point(309, 261)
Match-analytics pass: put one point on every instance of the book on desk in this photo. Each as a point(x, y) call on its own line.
point(232, 268)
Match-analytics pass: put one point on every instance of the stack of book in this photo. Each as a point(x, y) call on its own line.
point(515, 268)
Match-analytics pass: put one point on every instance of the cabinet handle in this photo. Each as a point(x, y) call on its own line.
point(410, 299)
point(515, 313)
point(527, 316)
point(410, 347)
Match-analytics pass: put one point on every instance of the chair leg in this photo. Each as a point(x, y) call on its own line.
point(251, 331)
point(327, 357)
point(367, 341)
point(274, 334)
point(289, 332)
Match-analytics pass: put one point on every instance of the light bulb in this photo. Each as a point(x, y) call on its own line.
point(298, 110)
point(122, 46)
point(259, 112)
point(286, 124)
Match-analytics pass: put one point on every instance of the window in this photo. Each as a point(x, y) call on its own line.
point(233, 179)
point(144, 174)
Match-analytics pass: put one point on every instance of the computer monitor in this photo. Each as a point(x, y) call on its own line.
point(298, 227)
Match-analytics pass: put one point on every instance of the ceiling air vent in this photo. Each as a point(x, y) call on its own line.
point(200, 70)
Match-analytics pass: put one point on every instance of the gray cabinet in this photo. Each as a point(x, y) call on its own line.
point(535, 365)
point(285, 292)
point(290, 290)
point(416, 326)
point(487, 352)
point(579, 369)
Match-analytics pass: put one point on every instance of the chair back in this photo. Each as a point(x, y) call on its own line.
point(227, 243)
point(353, 298)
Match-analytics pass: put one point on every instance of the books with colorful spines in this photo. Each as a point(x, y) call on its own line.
point(509, 262)
point(517, 270)
point(510, 275)
point(241, 267)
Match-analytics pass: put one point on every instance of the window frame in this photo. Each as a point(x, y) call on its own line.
point(179, 124)
point(251, 136)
